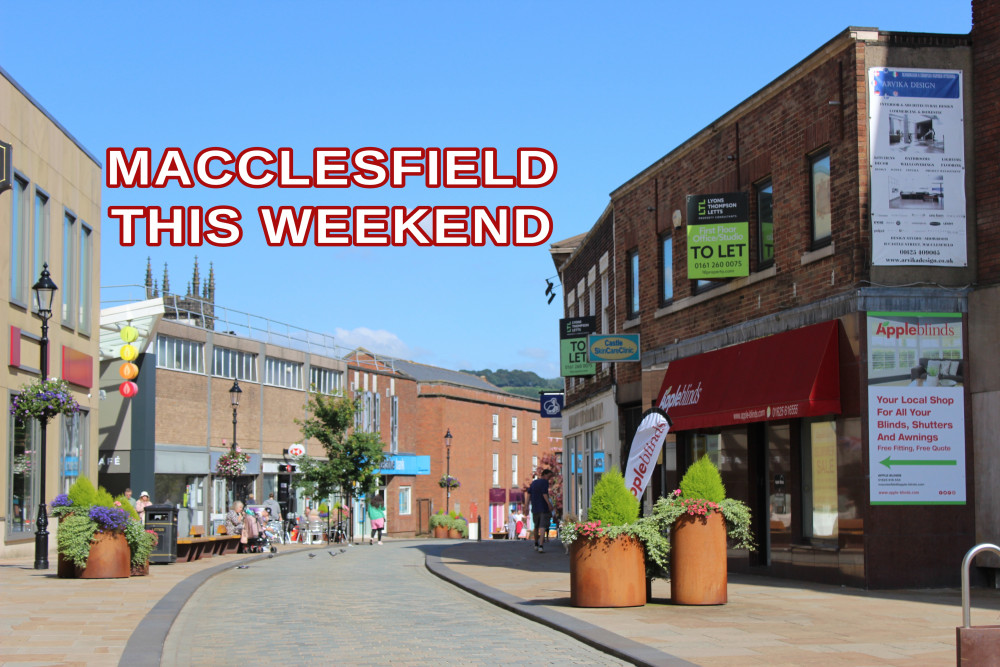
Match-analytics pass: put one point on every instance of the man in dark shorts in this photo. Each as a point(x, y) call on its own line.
point(541, 506)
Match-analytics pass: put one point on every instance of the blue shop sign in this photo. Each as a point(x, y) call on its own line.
point(406, 464)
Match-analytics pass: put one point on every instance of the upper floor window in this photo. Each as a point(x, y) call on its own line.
point(496, 469)
point(633, 283)
point(819, 182)
point(20, 241)
point(40, 234)
point(86, 276)
point(177, 354)
point(513, 470)
point(666, 268)
point(534, 431)
point(68, 266)
point(496, 427)
point(228, 363)
point(282, 373)
point(325, 381)
point(513, 429)
point(765, 224)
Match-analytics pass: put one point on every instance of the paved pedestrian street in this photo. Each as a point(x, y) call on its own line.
point(374, 605)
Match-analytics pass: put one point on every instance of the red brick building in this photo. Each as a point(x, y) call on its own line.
point(834, 204)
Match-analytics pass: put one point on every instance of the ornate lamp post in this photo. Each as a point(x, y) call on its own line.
point(45, 291)
point(447, 449)
point(234, 397)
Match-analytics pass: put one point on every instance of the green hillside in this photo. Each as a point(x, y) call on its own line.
point(522, 383)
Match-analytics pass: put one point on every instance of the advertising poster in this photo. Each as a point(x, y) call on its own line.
point(614, 347)
point(916, 409)
point(573, 335)
point(718, 236)
point(917, 139)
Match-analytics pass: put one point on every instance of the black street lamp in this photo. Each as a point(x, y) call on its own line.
point(234, 398)
point(447, 449)
point(44, 290)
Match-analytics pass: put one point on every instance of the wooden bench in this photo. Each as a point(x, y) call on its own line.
point(198, 545)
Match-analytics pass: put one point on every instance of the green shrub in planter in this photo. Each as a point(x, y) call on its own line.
point(612, 503)
point(83, 493)
point(702, 480)
point(440, 519)
point(75, 533)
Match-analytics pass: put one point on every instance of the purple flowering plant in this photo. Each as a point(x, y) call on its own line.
point(447, 481)
point(109, 518)
point(42, 400)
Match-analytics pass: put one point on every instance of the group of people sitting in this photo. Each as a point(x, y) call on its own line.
point(250, 524)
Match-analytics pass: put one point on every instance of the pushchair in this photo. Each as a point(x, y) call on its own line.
point(255, 539)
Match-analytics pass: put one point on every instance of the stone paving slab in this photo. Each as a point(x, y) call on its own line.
point(767, 621)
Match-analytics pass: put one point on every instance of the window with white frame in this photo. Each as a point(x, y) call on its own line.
point(496, 469)
point(513, 429)
point(404, 500)
point(496, 427)
point(325, 381)
point(227, 363)
point(282, 373)
point(534, 431)
point(177, 354)
point(534, 465)
point(513, 471)
point(394, 425)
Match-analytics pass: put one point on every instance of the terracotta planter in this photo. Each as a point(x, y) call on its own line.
point(139, 570)
point(109, 557)
point(440, 531)
point(607, 573)
point(698, 560)
point(454, 534)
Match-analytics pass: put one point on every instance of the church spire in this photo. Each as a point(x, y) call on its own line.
point(166, 279)
point(209, 290)
point(195, 280)
point(150, 287)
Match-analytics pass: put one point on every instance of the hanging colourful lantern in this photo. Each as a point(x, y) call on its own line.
point(128, 353)
point(128, 371)
point(128, 389)
point(129, 334)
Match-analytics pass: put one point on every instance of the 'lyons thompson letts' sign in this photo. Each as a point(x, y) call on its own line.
point(718, 236)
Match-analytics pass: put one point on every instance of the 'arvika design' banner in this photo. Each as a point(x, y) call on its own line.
point(645, 450)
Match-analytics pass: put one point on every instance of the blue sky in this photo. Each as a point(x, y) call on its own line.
point(608, 88)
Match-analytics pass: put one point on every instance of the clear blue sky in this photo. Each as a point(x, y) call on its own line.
point(607, 87)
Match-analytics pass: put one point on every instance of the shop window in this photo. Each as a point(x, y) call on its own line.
point(404, 501)
point(819, 482)
point(73, 447)
point(666, 269)
point(633, 283)
point(22, 449)
point(177, 354)
point(765, 224)
point(819, 185)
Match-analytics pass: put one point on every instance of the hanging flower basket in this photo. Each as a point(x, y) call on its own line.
point(233, 463)
point(449, 482)
point(42, 400)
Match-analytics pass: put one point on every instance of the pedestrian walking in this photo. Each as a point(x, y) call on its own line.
point(376, 512)
point(541, 506)
point(273, 507)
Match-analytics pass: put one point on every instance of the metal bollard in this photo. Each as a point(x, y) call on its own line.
point(979, 646)
point(479, 529)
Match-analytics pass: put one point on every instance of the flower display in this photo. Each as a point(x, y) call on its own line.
point(62, 500)
point(449, 482)
point(108, 518)
point(233, 463)
point(42, 400)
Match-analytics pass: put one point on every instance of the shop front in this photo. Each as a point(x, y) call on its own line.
point(841, 491)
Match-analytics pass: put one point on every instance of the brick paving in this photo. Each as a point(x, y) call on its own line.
point(379, 605)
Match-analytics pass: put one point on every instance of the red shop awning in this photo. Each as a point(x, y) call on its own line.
point(785, 376)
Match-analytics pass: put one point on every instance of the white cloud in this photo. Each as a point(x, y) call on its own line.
point(534, 352)
point(379, 341)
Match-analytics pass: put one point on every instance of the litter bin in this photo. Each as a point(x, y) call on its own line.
point(162, 519)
